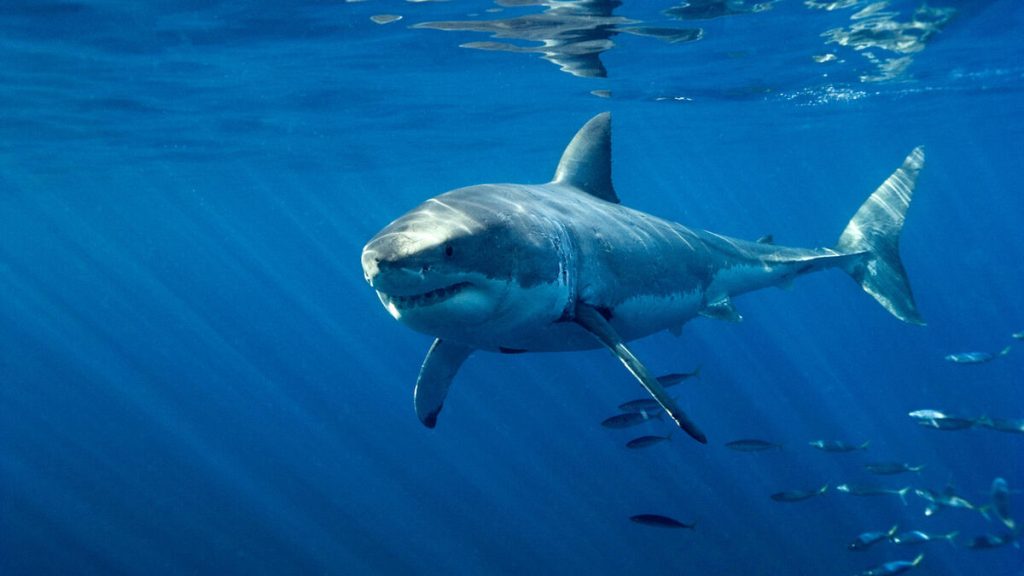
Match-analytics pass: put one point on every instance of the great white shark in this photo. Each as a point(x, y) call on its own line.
point(564, 266)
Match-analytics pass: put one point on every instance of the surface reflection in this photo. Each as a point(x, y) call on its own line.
point(887, 39)
point(571, 34)
point(708, 9)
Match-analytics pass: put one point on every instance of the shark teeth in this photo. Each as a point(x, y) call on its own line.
point(427, 298)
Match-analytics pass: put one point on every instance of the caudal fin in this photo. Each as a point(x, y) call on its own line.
point(874, 231)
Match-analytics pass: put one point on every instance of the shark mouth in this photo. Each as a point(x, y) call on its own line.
point(425, 299)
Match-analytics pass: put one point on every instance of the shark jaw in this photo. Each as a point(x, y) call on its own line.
point(397, 304)
point(491, 313)
point(400, 305)
point(453, 305)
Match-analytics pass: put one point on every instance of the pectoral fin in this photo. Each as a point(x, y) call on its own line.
point(592, 320)
point(439, 367)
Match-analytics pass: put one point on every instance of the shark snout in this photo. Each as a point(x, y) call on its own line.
point(371, 265)
point(382, 255)
point(397, 258)
point(390, 273)
point(383, 273)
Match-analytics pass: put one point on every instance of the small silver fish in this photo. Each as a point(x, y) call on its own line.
point(890, 468)
point(976, 357)
point(674, 378)
point(798, 495)
point(661, 521)
point(869, 539)
point(838, 446)
point(873, 490)
point(645, 441)
point(752, 445)
point(1017, 335)
point(650, 404)
point(629, 419)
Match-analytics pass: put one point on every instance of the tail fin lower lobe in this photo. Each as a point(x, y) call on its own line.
point(874, 231)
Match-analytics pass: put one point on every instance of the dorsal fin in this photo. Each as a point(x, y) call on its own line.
point(587, 161)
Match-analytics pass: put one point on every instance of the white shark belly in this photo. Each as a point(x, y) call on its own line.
point(645, 314)
point(636, 317)
point(531, 320)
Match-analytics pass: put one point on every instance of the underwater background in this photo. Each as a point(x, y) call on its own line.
point(195, 377)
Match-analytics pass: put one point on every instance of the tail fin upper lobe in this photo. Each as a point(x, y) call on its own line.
point(875, 232)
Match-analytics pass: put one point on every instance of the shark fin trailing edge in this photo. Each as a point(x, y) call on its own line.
point(874, 231)
point(587, 161)
point(439, 367)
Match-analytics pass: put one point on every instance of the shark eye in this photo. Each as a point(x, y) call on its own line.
point(448, 250)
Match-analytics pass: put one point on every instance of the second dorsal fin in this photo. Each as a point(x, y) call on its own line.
point(587, 161)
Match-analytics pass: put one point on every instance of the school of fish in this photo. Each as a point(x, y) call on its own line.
point(997, 510)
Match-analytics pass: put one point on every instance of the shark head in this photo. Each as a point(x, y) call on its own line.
point(468, 267)
point(491, 266)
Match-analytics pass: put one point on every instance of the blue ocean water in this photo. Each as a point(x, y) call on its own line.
point(195, 377)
